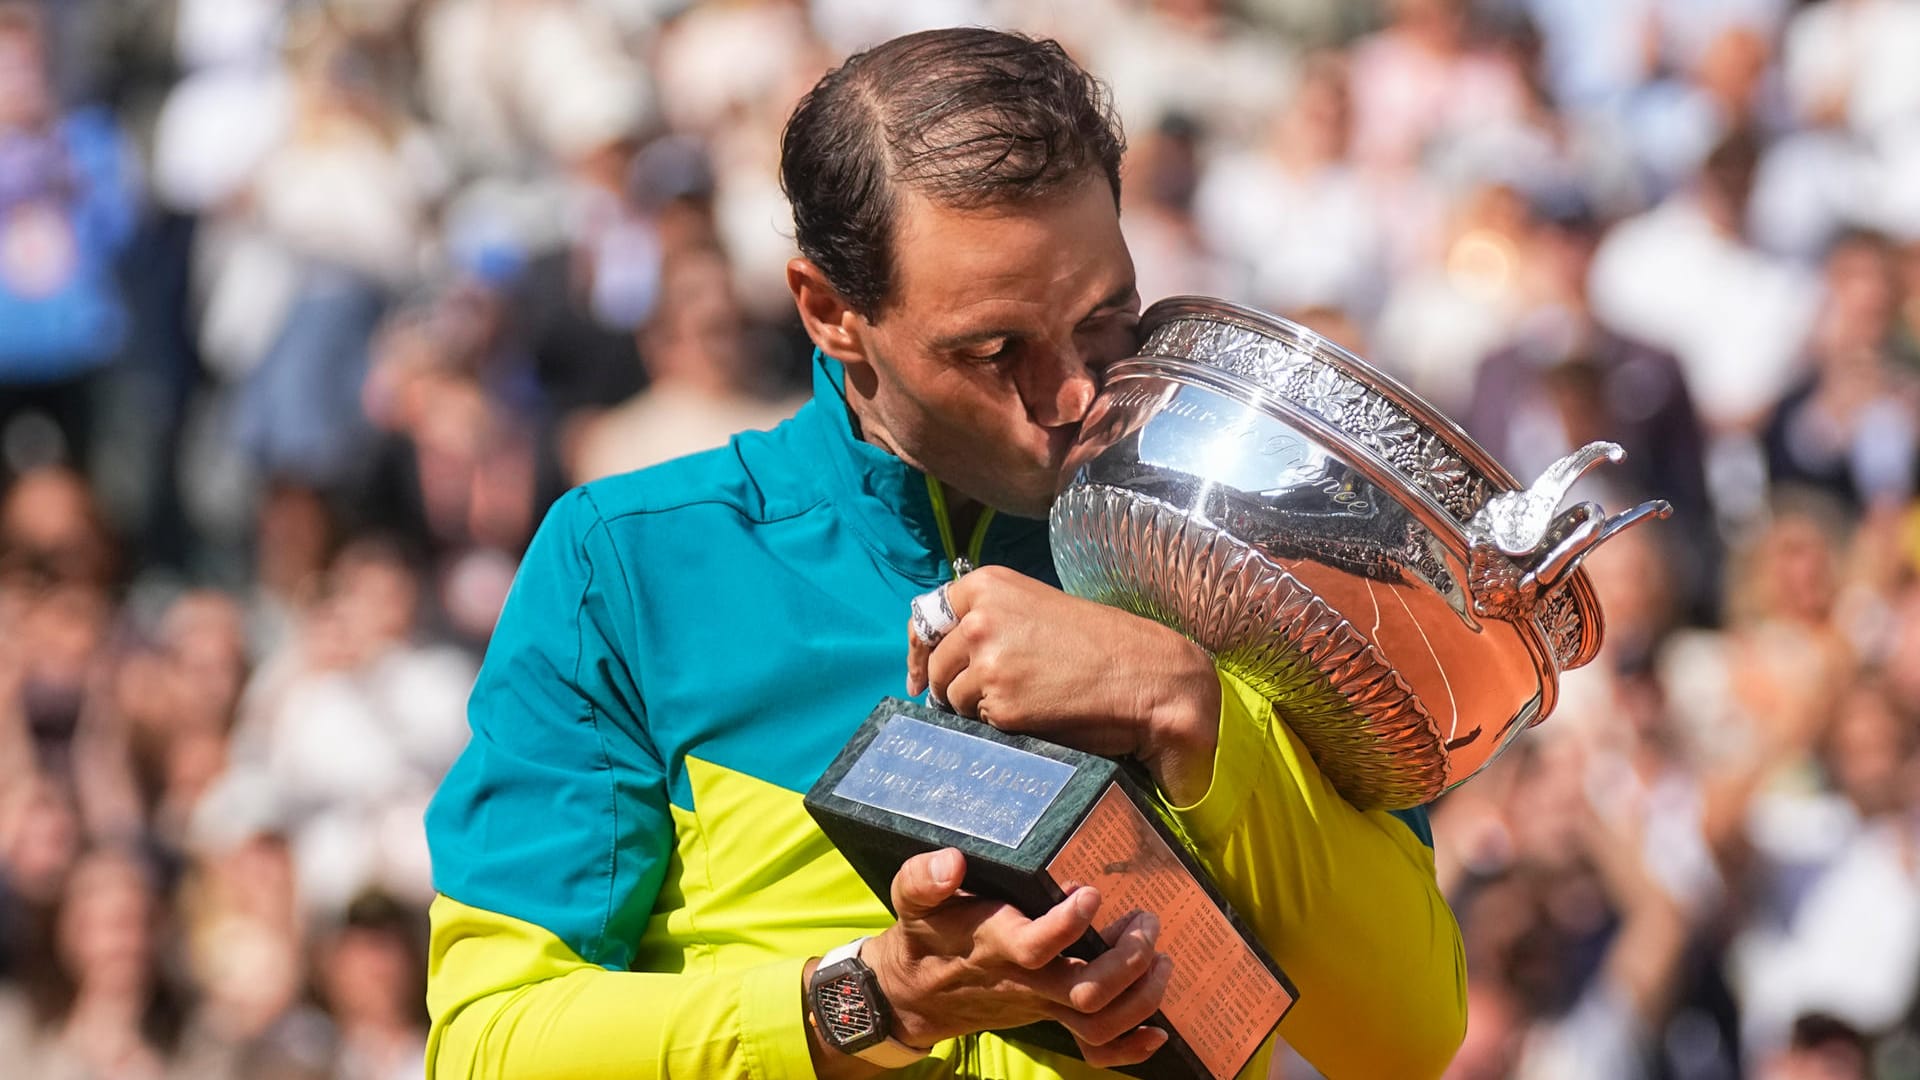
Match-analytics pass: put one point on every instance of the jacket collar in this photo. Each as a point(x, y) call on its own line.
point(885, 500)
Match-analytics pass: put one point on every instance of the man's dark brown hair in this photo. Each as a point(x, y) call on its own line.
point(965, 117)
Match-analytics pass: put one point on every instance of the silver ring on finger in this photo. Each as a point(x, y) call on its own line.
point(932, 617)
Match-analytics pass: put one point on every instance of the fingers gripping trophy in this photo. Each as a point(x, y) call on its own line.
point(1404, 604)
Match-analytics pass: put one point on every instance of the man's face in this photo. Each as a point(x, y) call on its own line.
point(982, 365)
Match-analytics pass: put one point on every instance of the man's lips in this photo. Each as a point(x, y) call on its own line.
point(1060, 441)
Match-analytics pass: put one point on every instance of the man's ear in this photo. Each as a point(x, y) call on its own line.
point(830, 322)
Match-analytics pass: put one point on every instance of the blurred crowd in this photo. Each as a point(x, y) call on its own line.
point(308, 308)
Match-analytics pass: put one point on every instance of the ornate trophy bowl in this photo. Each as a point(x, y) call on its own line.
point(1335, 542)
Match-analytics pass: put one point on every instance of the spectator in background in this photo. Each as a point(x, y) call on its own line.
point(53, 658)
point(460, 471)
point(110, 1012)
point(1673, 123)
point(1191, 57)
point(1847, 74)
point(1812, 183)
point(229, 107)
point(517, 85)
point(727, 74)
point(1442, 317)
point(1852, 61)
point(1594, 56)
point(700, 358)
point(162, 714)
point(52, 532)
point(1832, 892)
point(67, 208)
point(1293, 215)
point(345, 196)
point(1171, 257)
point(1421, 81)
point(1591, 996)
point(1683, 277)
point(342, 737)
point(40, 839)
point(1851, 428)
point(1822, 1048)
point(242, 940)
point(707, 75)
point(1541, 149)
point(1789, 656)
point(295, 533)
point(574, 298)
point(459, 409)
point(372, 973)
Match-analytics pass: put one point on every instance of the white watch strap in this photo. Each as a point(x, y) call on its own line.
point(844, 952)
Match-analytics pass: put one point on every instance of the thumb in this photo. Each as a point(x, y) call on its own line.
point(926, 881)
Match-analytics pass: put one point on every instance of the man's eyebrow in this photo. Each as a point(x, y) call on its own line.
point(1118, 297)
point(969, 338)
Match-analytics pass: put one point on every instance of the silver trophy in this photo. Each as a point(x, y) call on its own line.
point(1335, 542)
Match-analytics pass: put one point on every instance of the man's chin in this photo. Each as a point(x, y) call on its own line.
point(1036, 511)
point(1035, 504)
point(1029, 495)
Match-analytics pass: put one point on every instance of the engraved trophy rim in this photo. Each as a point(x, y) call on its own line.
point(1293, 333)
point(1565, 639)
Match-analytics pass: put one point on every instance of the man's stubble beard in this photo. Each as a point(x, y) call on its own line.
point(939, 449)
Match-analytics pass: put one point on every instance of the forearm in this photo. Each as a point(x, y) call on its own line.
point(1345, 901)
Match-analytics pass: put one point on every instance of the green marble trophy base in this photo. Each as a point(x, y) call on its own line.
point(1034, 820)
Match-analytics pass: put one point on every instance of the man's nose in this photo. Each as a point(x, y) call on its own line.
point(1061, 391)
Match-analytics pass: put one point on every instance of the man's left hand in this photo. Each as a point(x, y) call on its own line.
point(1026, 657)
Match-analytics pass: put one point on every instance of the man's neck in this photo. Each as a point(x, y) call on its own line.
point(962, 512)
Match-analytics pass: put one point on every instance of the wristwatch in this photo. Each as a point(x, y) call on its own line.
point(845, 1005)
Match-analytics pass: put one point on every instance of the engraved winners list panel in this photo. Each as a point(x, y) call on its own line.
point(1222, 999)
point(1034, 820)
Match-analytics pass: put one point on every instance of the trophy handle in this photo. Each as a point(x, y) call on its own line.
point(1596, 530)
point(1520, 522)
point(1521, 544)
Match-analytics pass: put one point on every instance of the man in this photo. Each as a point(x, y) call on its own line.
point(630, 883)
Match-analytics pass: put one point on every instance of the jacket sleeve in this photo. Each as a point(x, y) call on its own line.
point(1345, 901)
point(551, 836)
point(510, 1000)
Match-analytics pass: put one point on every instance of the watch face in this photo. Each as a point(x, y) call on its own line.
point(846, 1013)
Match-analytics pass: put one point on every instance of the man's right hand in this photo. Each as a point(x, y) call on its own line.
point(955, 964)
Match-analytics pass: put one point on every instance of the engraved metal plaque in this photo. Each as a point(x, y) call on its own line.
point(1222, 999)
point(954, 780)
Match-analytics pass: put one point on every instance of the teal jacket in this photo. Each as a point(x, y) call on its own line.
point(628, 880)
